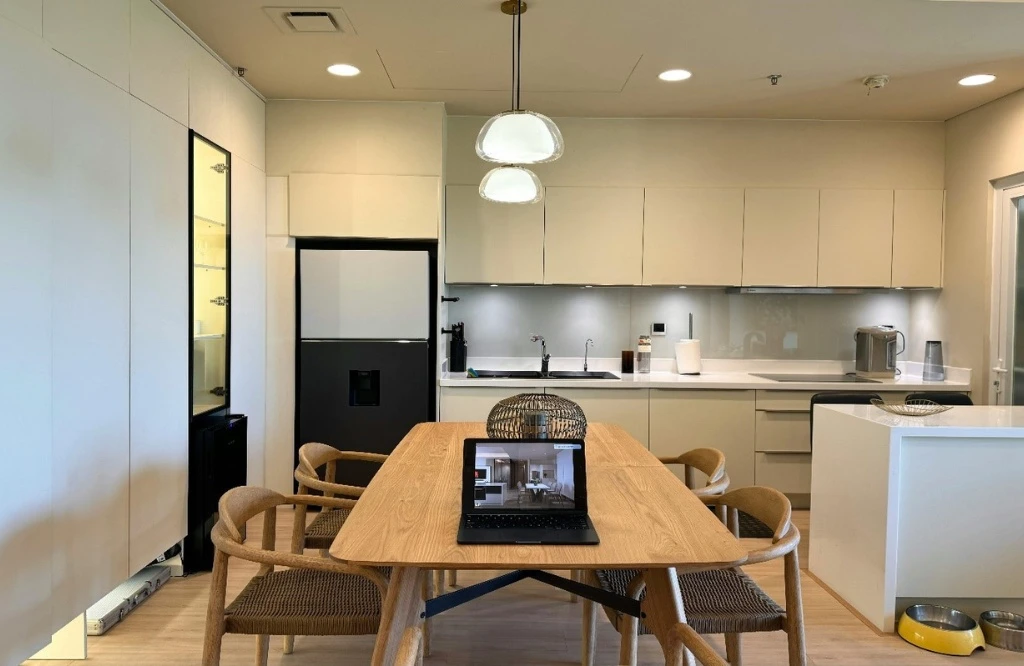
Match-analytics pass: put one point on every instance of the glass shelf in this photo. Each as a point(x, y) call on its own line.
point(208, 336)
point(210, 267)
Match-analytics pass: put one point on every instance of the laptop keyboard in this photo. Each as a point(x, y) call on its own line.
point(525, 521)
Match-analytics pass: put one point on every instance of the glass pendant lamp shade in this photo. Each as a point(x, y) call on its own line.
point(511, 184)
point(519, 137)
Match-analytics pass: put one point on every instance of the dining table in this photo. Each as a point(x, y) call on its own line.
point(408, 519)
point(537, 489)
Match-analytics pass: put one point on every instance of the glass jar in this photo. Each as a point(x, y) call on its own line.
point(643, 355)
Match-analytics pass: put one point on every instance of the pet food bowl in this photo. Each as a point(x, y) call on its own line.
point(1003, 630)
point(940, 629)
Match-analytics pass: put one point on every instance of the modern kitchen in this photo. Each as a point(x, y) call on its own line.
point(785, 233)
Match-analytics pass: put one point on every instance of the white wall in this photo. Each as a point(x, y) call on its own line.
point(983, 145)
point(724, 153)
point(94, 229)
point(363, 138)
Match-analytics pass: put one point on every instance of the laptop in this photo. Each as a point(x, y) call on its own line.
point(525, 492)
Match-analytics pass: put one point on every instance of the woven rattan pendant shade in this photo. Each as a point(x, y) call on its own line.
point(536, 416)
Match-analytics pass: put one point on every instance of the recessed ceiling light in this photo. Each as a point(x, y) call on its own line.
point(675, 75)
point(494, 285)
point(682, 286)
point(977, 80)
point(342, 69)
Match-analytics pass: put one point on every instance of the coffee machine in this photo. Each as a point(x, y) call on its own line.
point(877, 349)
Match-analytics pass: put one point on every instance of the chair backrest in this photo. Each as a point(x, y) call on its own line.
point(839, 398)
point(314, 455)
point(773, 509)
point(943, 398)
point(709, 461)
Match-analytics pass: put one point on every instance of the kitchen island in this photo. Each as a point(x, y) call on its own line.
point(912, 509)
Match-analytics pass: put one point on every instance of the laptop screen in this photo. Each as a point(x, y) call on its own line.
point(524, 475)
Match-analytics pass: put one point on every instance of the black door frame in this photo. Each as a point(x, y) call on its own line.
point(390, 245)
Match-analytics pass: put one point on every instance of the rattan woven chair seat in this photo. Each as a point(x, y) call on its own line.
point(321, 532)
point(307, 603)
point(716, 602)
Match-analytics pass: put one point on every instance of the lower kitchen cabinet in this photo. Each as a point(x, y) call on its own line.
point(723, 420)
point(625, 407)
point(789, 473)
point(473, 404)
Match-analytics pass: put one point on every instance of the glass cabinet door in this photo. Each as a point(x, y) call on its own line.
point(211, 224)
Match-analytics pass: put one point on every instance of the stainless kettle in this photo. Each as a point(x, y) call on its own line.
point(877, 351)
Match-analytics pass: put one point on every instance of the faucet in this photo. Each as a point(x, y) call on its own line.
point(545, 357)
point(586, 349)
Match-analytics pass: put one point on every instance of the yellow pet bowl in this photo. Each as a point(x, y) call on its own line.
point(940, 629)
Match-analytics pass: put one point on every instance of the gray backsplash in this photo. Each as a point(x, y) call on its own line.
point(500, 320)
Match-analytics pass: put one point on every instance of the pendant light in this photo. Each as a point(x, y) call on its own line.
point(518, 136)
point(511, 184)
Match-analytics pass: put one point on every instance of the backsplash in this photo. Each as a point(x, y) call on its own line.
point(500, 320)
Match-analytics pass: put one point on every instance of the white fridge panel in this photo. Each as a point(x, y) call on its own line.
point(365, 294)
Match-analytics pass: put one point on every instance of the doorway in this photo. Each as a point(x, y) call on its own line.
point(1006, 386)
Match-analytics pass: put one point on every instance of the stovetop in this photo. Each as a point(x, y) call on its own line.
point(818, 379)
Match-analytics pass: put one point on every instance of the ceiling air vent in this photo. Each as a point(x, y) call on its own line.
point(309, 20)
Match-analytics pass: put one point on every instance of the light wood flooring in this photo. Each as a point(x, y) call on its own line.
point(527, 623)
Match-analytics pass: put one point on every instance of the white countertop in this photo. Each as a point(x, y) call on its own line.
point(718, 374)
point(961, 421)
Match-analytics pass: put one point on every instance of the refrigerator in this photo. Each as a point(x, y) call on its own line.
point(366, 361)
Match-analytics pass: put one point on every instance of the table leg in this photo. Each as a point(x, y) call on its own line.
point(663, 608)
point(402, 607)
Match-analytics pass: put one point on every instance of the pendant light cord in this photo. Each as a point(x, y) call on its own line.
point(519, 49)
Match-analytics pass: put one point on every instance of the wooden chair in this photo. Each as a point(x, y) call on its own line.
point(314, 596)
point(721, 601)
point(711, 462)
point(320, 533)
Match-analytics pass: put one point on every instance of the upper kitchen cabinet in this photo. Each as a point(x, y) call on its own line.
point(94, 34)
point(780, 238)
point(26, 13)
point(359, 206)
point(917, 238)
point(487, 242)
point(693, 236)
point(593, 235)
point(159, 61)
point(208, 91)
point(855, 238)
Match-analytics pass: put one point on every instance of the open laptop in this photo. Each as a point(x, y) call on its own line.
point(525, 492)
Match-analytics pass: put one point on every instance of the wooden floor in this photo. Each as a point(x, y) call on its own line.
point(527, 623)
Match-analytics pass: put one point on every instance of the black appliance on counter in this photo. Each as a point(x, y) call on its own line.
point(216, 464)
point(457, 348)
point(366, 357)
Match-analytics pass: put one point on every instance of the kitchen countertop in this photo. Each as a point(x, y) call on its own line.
point(961, 421)
point(718, 374)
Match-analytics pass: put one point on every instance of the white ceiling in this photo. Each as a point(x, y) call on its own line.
point(601, 58)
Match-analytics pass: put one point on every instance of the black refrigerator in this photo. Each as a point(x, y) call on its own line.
point(366, 361)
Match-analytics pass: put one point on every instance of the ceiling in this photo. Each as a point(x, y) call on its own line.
point(601, 58)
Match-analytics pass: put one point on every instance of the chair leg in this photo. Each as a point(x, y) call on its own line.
point(733, 653)
point(589, 645)
point(428, 593)
point(629, 627)
point(794, 611)
point(262, 650)
point(215, 611)
point(453, 577)
point(289, 644)
point(574, 575)
point(734, 522)
point(438, 575)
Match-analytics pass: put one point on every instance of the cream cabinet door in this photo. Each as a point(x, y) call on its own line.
point(593, 235)
point(917, 238)
point(94, 34)
point(624, 407)
point(487, 242)
point(693, 236)
point(359, 206)
point(780, 238)
point(469, 404)
point(855, 238)
point(159, 60)
point(723, 420)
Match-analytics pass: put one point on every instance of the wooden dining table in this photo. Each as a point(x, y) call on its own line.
point(408, 519)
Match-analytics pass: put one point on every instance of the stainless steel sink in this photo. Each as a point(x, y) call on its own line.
point(535, 374)
point(580, 374)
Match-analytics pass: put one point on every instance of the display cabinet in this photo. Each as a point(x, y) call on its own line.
point(211, 275)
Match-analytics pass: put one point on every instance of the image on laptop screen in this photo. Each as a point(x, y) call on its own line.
point(524, 475)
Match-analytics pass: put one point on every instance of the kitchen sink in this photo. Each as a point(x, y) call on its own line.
point(535, 374)
point(581, 374)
